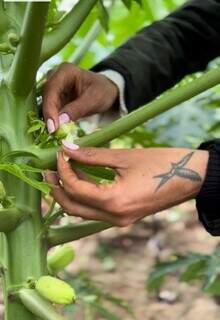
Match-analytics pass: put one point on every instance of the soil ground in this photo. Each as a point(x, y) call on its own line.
point(133, 252)
point(136, 250)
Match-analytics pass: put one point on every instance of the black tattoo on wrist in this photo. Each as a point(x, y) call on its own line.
point(178, 169)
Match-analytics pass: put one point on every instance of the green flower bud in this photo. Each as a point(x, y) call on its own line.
point(2, 192)
point(60, 258)
point(67, 129)
point(13, 39)
point(55, 290)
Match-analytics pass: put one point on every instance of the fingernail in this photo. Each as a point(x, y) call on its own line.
point(64, 118)
point(70, 145)
point(66, 158)
point(50, 126)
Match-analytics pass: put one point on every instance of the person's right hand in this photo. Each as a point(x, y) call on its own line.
point(71, 93)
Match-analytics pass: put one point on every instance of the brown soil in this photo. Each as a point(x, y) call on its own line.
point(137, 249)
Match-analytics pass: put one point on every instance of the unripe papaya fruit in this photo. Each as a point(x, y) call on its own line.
point(60, 258)
point(55, 290)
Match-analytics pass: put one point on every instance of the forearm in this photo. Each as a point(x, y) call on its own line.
point(160, 55)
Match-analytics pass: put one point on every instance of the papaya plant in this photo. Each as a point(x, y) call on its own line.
point(30, 34)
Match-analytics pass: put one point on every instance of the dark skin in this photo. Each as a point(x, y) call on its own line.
point(137, 190)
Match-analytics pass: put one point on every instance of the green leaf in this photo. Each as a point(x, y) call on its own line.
point(18, 170)
point(194, 271)
point(163, 269)
point(211, 272)
point(103, 15)
point(127, 3)
point(140, 2)
point(105, 313)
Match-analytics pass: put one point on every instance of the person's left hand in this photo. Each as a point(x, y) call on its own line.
point(147, 181)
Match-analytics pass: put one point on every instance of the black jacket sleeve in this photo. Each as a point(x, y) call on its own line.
point(208, 199)
point(161, 54)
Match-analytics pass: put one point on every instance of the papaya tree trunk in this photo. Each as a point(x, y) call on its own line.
point(23, 251)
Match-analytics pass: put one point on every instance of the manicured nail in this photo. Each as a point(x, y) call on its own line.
point(64, 118)
point(50, 126)
point(70, 145)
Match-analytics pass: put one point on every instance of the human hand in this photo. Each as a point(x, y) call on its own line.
point(148, 181)
point(71, 93)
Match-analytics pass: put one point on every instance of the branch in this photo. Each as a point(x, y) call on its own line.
point(9, 219)
point(71, 232)
point(55, 40)
point(26, 61)
point(38, 305)
point(167, 101)
point(86, 44)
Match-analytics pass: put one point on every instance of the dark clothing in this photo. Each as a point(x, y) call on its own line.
point(160, 55)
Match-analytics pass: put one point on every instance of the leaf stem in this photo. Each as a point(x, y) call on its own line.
point(55, 40)
point(71, 232)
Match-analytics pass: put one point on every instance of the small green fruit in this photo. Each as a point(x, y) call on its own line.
point(55, 290)
point(2, 192)
point(60, 258)
point(13, 39)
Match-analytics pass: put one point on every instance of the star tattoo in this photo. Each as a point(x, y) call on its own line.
point(178, 169)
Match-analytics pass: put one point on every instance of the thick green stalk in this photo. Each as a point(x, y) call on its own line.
point(37, 305)
point(55, 40)
point(23, 71)
point(47, 157)
point(71, 232)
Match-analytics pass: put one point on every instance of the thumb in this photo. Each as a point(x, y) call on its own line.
point(112, 158)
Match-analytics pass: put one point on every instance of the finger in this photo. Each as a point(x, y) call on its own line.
point(52, 96)
point(82, 191)
point(78, 108)
point(76, 209)
point(113, 158)
point(51, 177)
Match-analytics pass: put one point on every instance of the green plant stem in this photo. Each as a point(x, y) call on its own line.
point(25, 64)
point(170, 99)
point(9, 219)
point(71, 232)
point(55, 40)
point(51, 219)
point(80, 52)
point(50, 211)
point(37, 305)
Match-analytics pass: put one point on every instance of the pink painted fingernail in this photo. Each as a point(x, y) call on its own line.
point(70, 145)
point(50, 126)
point(64, 118)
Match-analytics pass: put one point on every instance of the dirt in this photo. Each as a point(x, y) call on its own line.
point(136, 249)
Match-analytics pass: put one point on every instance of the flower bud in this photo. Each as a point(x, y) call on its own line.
point(2, 191)
point(67, 129)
